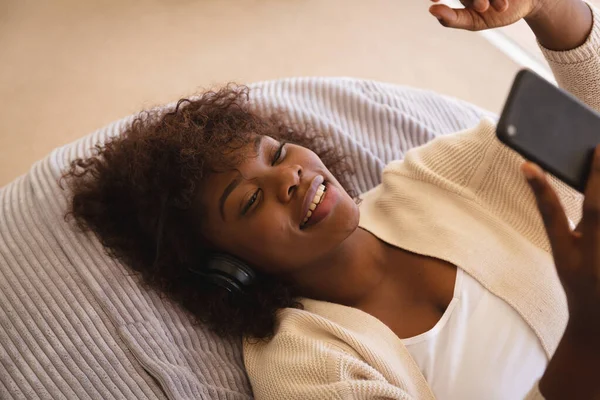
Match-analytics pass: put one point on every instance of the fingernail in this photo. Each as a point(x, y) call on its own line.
point(528, 174)
point(532, 171)
point(537, 169)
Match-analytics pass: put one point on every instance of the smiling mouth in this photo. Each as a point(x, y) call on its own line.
point(318, 199)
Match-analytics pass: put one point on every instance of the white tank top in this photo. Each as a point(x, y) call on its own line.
point(481, 348)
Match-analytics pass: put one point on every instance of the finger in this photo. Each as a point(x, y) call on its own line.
point(500, 5)
point(456, 18)
point(552, 212)
point(590, 221)
point(577, 232)
point(477, 5)
point(481, 5)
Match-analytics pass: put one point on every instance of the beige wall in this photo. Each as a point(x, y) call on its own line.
point(68, 67)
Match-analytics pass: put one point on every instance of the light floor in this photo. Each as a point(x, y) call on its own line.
point(68, 67)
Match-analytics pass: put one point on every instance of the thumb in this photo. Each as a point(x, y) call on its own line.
point(578, 231)
point(552, 213)
point(462, 18)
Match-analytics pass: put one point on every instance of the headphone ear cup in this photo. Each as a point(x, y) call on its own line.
point(227, 272)
point(224, 282)
point(247, 271)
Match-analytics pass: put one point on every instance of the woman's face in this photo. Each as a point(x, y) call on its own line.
point(257, 211)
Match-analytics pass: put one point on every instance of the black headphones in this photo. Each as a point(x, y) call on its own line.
point(227, 272)
point(222, 270)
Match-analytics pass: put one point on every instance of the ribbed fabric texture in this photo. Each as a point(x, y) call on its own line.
point(460, 198)
point(75, 325)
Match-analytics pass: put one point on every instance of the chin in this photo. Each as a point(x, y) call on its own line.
point(355, 219)
point(348, 221)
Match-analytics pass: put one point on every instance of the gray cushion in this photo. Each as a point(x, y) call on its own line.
point(75, 324)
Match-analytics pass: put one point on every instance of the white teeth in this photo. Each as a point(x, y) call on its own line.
point(315, 202)
point(307, 216)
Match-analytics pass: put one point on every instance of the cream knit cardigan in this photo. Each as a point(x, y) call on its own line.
point(460, 198)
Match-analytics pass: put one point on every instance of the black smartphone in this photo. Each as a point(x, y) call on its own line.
point(550, 127)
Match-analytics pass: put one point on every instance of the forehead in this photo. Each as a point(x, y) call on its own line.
point(220, 176)
point(235, 158)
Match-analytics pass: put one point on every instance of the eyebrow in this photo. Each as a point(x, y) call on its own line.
point(236, 181)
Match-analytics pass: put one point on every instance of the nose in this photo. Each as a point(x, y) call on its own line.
point(288, 182)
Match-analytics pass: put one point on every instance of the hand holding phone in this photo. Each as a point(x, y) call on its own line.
point(572, 371)
point(574, 156)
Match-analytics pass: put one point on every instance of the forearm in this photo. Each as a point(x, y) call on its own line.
point(576, 70)
point(574, 371)
point(563, 25)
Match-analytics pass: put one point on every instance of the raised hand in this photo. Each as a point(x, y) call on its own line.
point(486, 14)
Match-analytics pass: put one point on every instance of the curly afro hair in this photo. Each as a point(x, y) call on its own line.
point(156, 166)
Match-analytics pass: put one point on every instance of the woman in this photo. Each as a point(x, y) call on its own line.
point(440, 284)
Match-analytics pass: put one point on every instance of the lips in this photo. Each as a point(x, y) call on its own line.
point(309, 196)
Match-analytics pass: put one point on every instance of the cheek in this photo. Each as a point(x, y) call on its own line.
point(269, 231)
point(263, 240)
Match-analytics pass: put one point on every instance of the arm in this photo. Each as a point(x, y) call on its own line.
point(571, 30)
point(567, 32)
point(561, 26)
point(570, 48)
point(573, 370)
point(569, 35)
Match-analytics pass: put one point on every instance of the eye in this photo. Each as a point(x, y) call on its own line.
point(250, 202)
point(278, 154)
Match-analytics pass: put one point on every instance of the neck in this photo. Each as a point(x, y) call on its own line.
point(349, 275)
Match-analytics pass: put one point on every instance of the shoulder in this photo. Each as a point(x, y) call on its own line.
point(451, 163)
point(298, 329)
point(331, 351)
point(301, 360)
